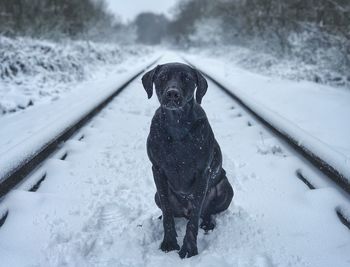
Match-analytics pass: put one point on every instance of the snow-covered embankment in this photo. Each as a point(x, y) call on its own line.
point(277, 102)
point(35, 71)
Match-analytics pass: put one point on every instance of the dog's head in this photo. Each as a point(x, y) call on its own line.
point(175, 84)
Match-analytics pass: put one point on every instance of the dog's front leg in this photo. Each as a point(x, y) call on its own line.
point(189, 246)
point(169, 242)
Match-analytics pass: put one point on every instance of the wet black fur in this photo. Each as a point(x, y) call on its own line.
point(186, 158)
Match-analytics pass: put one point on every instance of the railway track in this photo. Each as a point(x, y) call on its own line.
point(20, 170)
point(245, 161)
point(318, 161)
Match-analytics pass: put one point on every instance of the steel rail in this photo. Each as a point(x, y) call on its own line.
point(340, 179)
point(17, 174)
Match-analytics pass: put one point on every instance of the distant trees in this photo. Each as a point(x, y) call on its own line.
point(56, 18)
point(150, 28)
point(284, 27)
point(244, 20)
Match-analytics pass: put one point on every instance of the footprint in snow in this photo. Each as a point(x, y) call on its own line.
point(268, 146)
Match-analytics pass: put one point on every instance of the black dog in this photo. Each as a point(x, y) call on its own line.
point(187, 161)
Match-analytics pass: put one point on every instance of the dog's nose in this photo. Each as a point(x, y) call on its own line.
point(173, 94)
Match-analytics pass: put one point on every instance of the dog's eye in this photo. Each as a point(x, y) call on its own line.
point(162, 77)
point(187, 78)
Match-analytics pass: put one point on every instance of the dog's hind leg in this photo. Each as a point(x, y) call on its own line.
point(178, 207)
point(218, 199)
point(224, 195)
point(208, 223)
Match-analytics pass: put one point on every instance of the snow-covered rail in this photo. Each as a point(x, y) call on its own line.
point(17, 164)
point(330, 162)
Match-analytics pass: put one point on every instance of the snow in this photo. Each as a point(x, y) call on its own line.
point(35, 71)
point(97, 207)
point(324, 66)
point(35, 127)
point(314, 115)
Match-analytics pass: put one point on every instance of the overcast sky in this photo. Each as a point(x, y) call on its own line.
point(128, 9)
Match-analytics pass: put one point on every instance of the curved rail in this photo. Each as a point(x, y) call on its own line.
point(14, 176)
point(329, 169)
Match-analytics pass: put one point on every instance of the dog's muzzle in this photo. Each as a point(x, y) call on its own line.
point(173, 94)
point(173, 98)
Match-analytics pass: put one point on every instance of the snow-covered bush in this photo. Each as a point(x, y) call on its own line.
point(320, 71)
point(31, 70)
point(325, 53)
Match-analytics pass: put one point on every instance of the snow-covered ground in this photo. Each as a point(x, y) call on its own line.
point(96, 208)
point(322, 111)
point(33, 72)
point(25, 133)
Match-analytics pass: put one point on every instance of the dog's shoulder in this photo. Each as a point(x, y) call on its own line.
point(155, 138)
point(155, 129)
point(156, 120)
point(198, 112)
point(200, 118)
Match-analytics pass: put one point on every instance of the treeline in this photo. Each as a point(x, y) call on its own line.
point(150, 27)
point(242, 20)
point(278, 26)
point(80, 19)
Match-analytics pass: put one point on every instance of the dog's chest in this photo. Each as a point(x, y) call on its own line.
point(181, 159)
point(183, 155)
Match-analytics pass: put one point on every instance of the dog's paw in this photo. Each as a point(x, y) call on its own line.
point(169, 245)
point(188, 249)
point(207, 225)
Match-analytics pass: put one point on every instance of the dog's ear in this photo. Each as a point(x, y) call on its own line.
point(202, 86)
point(147, 81)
